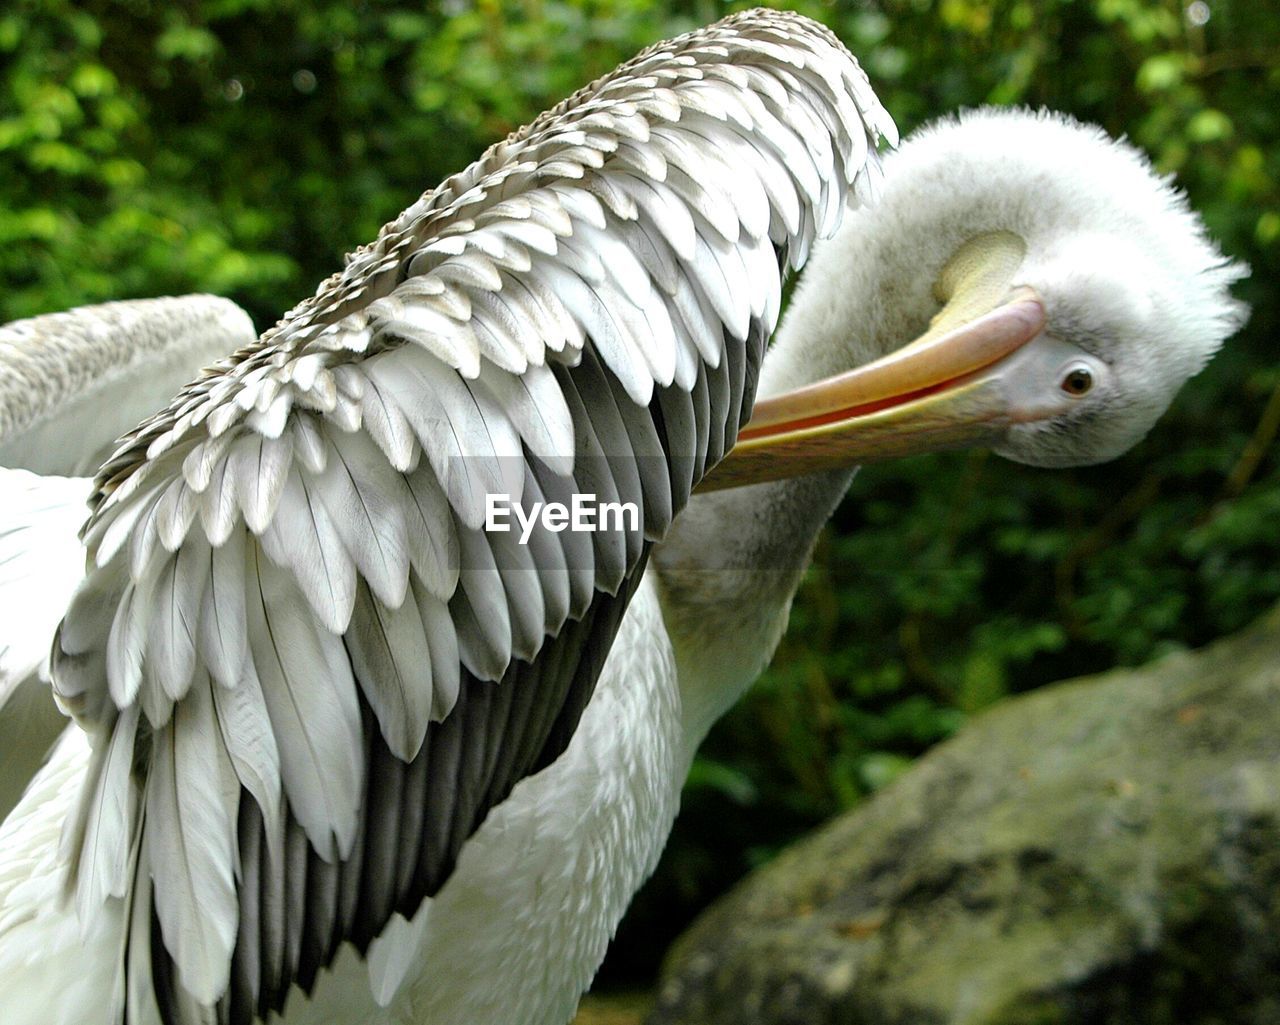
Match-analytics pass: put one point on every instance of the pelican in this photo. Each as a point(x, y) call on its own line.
point(345, 755)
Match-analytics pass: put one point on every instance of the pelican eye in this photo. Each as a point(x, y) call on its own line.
point(1077, 381)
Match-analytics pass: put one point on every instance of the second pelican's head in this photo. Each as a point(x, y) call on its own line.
point(1065, 292)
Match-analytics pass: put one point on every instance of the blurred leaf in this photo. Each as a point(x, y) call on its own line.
point(880, 769)
point(724, 779)
point(188, 42)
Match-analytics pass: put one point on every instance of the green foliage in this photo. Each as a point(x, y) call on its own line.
point(241, 146)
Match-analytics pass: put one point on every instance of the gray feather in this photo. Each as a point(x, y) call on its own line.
point(311, 700)
point(392, 662)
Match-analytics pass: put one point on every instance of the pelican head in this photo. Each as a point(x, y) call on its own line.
point(1059, 291)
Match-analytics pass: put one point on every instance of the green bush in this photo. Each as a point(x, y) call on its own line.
point(241, 146)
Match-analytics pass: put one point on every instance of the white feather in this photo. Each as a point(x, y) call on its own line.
point(304, 538)
point(175, 600)
point(259, 466)
point(251, 746)
point(126, 643)
point(174, 513)
point(366, 500)
point(218, 504)
point(536, 407)
point(223, 633)
point(448, 424)
point(597, 319)
point(432, 539)
point(192, 798)
point(99, 837)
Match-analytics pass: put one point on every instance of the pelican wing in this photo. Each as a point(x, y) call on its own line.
point(71, 383)
point(308, 668)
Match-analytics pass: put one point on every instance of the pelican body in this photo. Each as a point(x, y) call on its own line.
point(340, 754)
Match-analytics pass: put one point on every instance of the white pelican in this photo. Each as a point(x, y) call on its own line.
point(347, 755)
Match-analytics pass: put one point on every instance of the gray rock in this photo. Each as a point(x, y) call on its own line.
point(1102, 851)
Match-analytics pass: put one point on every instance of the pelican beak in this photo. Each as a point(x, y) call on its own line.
point(956, 386)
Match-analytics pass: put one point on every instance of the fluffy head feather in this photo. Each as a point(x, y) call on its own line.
point(1124, 267)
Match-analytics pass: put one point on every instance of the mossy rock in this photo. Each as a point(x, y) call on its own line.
point(1105, 851)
